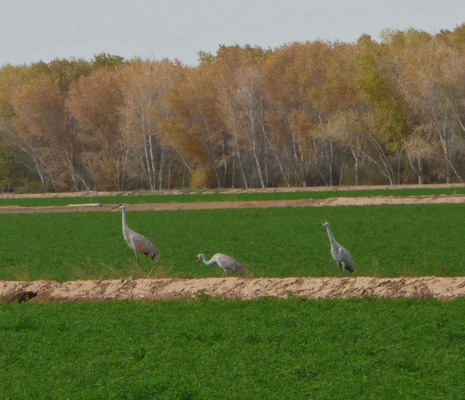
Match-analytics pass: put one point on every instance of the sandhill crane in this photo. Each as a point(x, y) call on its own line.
point(138, 243)
point(339, 253)
point(226, 263)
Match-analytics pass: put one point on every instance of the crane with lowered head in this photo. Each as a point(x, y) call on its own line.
point(226, 263)
point(137, 242)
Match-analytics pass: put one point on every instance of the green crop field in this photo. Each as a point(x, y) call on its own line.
point(199, 196)
point(220, 349)
point(385, 241)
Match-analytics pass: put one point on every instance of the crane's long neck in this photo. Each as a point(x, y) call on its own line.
point(331, 237)
point(210, 262)
point(125, 225)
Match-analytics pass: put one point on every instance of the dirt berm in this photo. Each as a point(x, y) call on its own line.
point(234, 288)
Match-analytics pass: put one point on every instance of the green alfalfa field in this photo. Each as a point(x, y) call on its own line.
point(221, 349)
point(385, 241)
point(205, 348)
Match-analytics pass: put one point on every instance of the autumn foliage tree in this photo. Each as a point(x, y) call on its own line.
point(432, 83)
point(144, 89)
point(315, 113)
point(94, 102)
point(195, 131)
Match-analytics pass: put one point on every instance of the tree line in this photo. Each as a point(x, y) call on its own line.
point(303, 114)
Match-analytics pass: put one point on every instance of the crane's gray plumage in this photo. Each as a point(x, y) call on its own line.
point(226, 263)
point(339, 253)
point(137, 242)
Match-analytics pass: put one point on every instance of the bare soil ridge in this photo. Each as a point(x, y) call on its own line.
point(332, 202)
point(234, 288)
point(336, 201)
point(96, 194)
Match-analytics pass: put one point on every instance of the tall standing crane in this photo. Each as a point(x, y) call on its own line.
point(226, 263)
point(137, 242)
point(339, 253)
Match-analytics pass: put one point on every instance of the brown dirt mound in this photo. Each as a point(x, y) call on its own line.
point(333, 202)
point(234, 288)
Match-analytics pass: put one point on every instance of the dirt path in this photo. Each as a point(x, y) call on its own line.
point(96, 194)
point(234, 288)
point(334, 202)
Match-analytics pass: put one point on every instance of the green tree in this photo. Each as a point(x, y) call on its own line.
point(12, 169)
point(375, 78)
point(108, 61)
point(64, 72)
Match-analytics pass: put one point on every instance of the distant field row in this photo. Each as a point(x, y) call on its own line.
point(385, 241)
point(220, 196)
point(218, 349)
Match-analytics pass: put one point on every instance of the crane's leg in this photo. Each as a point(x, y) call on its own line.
point(342, 265)
point(151, 270)
point(138, 266)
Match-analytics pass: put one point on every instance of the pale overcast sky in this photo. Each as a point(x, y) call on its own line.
point(42, 30)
